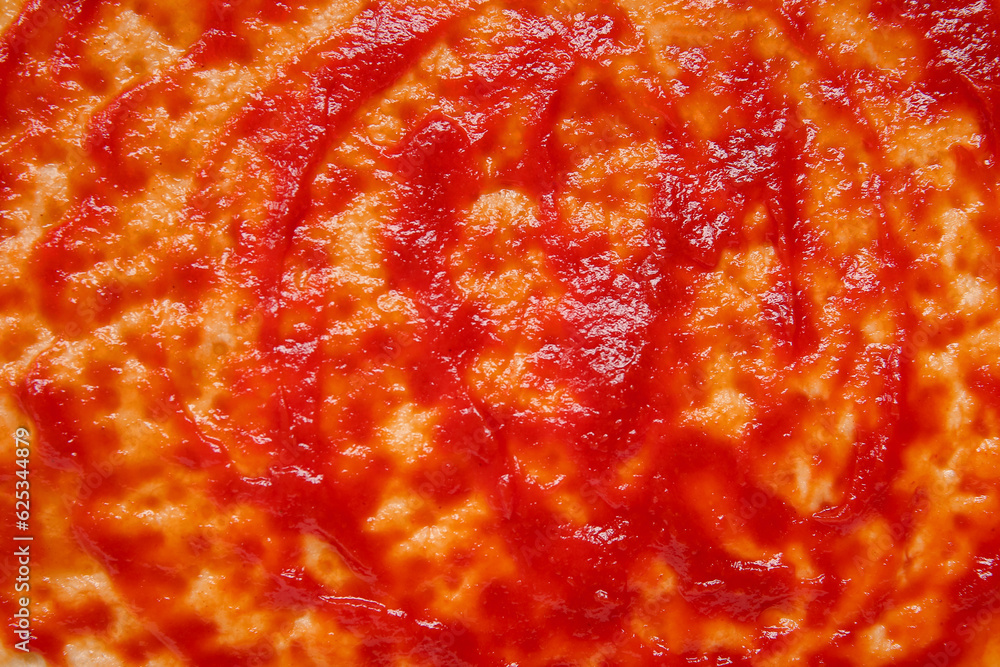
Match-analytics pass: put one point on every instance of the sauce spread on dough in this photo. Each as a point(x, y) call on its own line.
point(664, 412)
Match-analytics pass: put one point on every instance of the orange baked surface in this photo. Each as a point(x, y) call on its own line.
point(500, 333)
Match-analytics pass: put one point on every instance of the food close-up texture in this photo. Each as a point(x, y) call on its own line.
point(534, 333)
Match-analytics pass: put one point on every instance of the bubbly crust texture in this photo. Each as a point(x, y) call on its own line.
point(633, 332)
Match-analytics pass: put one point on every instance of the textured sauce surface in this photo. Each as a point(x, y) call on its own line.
point(502, 333)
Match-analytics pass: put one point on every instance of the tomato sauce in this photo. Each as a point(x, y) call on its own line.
point(621, 345)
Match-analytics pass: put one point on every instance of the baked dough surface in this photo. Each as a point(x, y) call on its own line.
point(502, 333)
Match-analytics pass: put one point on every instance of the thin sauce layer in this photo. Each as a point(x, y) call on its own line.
point(619, 335)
